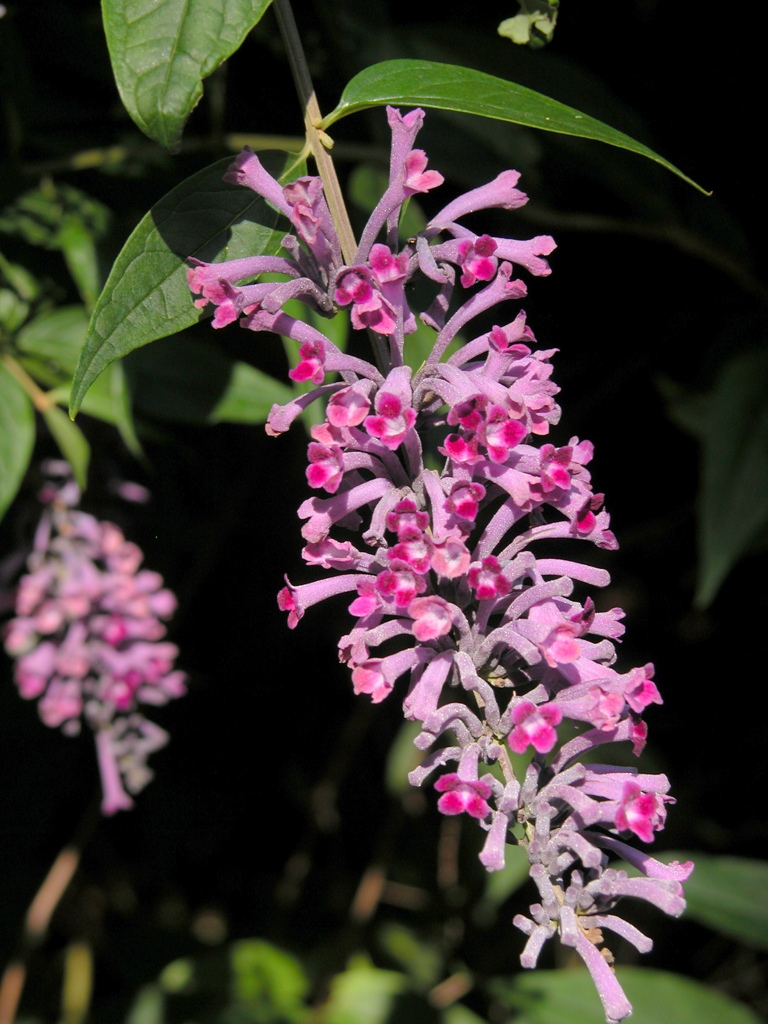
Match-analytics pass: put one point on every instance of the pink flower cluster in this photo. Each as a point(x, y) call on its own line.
point(497, 646)
point(88, 638)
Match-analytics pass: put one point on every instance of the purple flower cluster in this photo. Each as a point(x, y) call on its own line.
point(498, 651)
point(88, 638)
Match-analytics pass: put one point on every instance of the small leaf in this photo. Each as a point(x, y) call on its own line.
point(77, 245)
point(729, 894)
point(24, 284)
point(363, 994)
point(268, 981)
point(146, 296)
point(17, 437)
point(534, 25)
point(71, 442)
point(40, 215)
point(148, 1007)
point(53, 340)
point(160, 53)
point(421, 961)
point(657, 997)
point(15, 299)
point(733, 499)
point(62, 217)
point(451, 87)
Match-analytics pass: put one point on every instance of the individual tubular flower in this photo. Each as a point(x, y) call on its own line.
point(495, 647)
point(88, 638)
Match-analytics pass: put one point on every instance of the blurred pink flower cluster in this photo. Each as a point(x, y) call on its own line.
point(88, 637)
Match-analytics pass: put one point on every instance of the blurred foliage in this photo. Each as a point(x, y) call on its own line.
point(534, 25)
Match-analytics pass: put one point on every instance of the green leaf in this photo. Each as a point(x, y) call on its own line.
point(267, 981)
point(17, 437)
point(42, 214)
point(79, 249)
point(534, 25)
point(51, 343)
point(160, 53)
point(458, 1014)
point(402, 758)
point(657, 997)
point(56, 337)
point(729, 894)
point(421, 961)
point(451, 87)
point(187, 381)
point(733, 499)
point(363, 994)
point(15, 299)
point(148, 1007)
point(501, 884)
point(146, 296)
point(71, 442)
point(62, 217)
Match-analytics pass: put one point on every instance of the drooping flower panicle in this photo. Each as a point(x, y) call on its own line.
point(88, 638)
point(496, 645)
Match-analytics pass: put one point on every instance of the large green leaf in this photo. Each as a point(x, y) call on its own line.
point(160, 53)
point(657, 997)
point(733, 498)
point(730, 422)
point(186, 381)
point(729, 894)
point(17, 437)
point(146, 296)
point(451, 87)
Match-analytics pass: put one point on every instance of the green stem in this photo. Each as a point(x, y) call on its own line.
point(312, 118)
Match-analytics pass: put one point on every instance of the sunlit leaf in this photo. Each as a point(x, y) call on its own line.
point(657, 997)
point(146, 296)
point(451, 87)
point(17, 437)
point(161, 52)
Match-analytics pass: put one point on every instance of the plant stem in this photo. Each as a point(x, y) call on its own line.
point(312, 118)
point(41, 401)
point(39, 915)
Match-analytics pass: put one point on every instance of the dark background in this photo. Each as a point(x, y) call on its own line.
point(271, 756)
